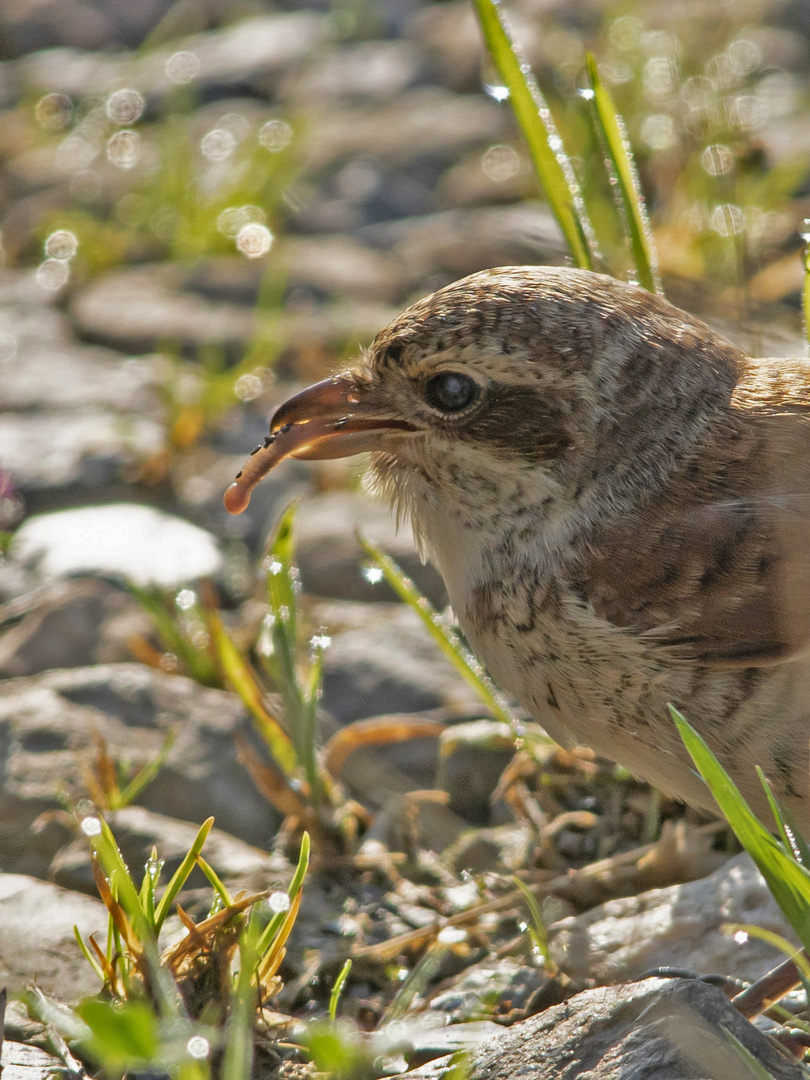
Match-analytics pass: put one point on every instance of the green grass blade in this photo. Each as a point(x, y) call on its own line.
point(537, 930)
point(239, 676)
point(791, 837)
point(181, 874)
point(545, 145)
point(275, 924)
point(756, 1070)
point(613, 136)
point(147, 774)
point(449, 643)
point(91, 960)
point(787, 880)
point(216, 882)
point(337, 989)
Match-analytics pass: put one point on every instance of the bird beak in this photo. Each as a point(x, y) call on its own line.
point(332, 419)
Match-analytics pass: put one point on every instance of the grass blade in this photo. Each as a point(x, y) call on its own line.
point(449, 643)
point(240, 677)
point(613, 136)
point(337, 989)
point(181, 874)
point(545, 145)
point(787, 880)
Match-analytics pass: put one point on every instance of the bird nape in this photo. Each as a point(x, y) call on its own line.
point(616, 498)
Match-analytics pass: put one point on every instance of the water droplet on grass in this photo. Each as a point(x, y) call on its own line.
point(124, 106)
point(254, 240)
point(218, 144)
point(61, 245)
point(124, 149)
point(275, 135)
point(54, 111)
point(182, 67)
point(52, 275)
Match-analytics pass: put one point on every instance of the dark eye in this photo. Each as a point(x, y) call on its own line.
point(451, 392)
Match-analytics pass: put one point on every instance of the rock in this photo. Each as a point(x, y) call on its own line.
point(473, 757)
point(137, 830)
point(490, 988)
point(22, 1062)
point(49, 725)
point(331, 561)
point(382, 660)
point(437, 249)
point(658, 1029)
point(69, 624)
point(678, 926)
point(25, 27)
point(58, 375)
point(87, 449)
point(136, 543)
point(249, 55)
point(502, 849)
point(369, 71)
point(138, 308)
point(36, 938)
point(426, 122)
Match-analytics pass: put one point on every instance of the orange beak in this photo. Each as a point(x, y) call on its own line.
point(332, 419)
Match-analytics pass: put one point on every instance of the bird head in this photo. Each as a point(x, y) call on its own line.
point(526, 386)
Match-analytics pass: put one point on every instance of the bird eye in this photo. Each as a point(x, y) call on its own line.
point(451, 392)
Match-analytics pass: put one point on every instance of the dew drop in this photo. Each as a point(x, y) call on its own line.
point(186, 599)
point(372, 574)
point(91, 826)
point(275, 135)
point(198, 1047)
point(182, 67)
point(278, 902)
point(218, 144)
point(248, 387)
point(124, 106)
point(52, 275)
point(54, 111)
point(61, 245)
point(254, 240)
point(124, 149)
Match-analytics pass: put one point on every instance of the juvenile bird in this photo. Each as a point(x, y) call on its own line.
point(615, 497)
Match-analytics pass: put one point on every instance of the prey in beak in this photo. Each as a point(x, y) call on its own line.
point(332, 419)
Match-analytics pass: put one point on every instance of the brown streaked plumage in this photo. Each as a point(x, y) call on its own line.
point(617, 500)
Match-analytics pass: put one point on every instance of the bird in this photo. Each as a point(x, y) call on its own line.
point(616, 498)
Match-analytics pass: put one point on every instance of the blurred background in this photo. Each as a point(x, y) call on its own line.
point(217, 196)
point(205, 204)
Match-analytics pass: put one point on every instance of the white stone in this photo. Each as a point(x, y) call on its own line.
point(134, 542)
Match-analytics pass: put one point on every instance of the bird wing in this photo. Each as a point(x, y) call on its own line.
point(717, 571)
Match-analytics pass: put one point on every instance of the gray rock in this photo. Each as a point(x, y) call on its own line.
point(679, 926)
point(86, 447)
point(654, 1030)
point(427, 121)
point(22, 1062)
point(49, 724)
point(57, 375)
point(136, 543)
point(491, 988)
point(438, 248)
point(137, 309)
point(137, 830)
point(370, 71)
point(250, 54)
point(69, 624)
point(37, 941)
point(382, 660)
point(331, 561)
